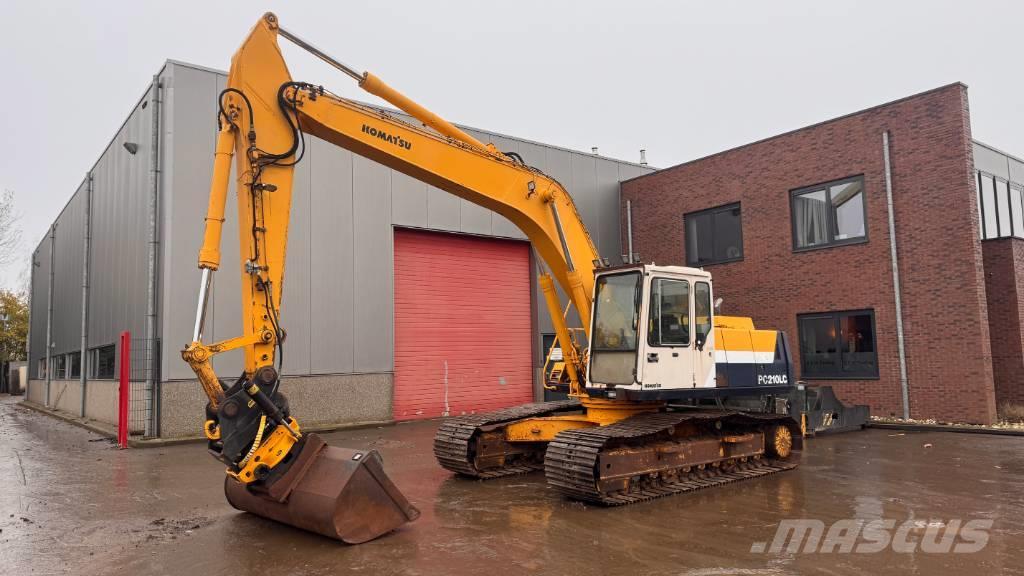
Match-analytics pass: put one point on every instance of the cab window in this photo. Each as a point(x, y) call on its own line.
point(615, 326)
point(669, 319)
point(702, 310)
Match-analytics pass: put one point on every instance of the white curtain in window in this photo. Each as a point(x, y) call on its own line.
point(811, 216)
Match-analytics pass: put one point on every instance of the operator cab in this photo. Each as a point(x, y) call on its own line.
point(652, 330)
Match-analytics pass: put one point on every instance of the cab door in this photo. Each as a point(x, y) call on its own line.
point(704, 370)
point(668, 354)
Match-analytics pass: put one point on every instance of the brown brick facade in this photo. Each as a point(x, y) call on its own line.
point(1004, 282)
point(945, 313)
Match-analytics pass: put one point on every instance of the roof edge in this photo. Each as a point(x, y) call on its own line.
point(807, 127)
point(997, 150)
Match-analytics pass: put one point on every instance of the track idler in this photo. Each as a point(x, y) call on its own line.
point(337, 492)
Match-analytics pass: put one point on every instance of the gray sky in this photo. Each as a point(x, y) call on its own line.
point(682, 80)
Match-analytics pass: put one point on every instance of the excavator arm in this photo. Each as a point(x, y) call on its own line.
point(265, 119)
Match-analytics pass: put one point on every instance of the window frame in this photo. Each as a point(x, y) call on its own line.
point(711, 311)
point(61, 367)
point(94, 363)
point(1012, 188)
point(833, 227)
point(635, 351)
point(72, 356)
point(837, 316)
point(689, 312)
point(712, 211)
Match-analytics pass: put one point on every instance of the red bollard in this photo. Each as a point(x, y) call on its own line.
point(124, 390)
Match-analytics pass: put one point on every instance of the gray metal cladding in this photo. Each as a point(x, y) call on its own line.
point(118, 250)
point(338, 292)
point(993, 161)
point(118, 274)
point(190, 97)
point(330, 278)
point(67, 282)
point(40, 279)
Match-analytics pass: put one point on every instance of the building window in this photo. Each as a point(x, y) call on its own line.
point(670, 313)
point(1001, 207)
point(74, 365)
point(41, 369)
point(838, 345)
point(714, 236)
point(829, 214)
point(101, 362)
point(61, 371)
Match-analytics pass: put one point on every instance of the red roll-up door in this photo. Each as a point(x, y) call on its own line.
point(462, 324)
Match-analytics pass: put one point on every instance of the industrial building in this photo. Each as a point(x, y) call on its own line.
point(401, 301)
point(887, 243)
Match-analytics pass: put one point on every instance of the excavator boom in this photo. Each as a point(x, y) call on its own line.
point(265, 118)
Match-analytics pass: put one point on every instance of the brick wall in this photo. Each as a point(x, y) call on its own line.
point(1004, 282)
point(945, 313)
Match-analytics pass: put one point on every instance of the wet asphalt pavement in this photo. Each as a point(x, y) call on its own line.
point(70, 502)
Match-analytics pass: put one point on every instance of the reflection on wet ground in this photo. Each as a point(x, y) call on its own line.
point(70, 502)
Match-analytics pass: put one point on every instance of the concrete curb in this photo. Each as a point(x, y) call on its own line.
point(101, 428)
point(110, 431)
point(945, 428)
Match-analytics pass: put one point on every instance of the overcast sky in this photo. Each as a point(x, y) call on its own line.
point(682, 80)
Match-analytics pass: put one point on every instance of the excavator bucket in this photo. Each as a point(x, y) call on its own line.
point(341, 493)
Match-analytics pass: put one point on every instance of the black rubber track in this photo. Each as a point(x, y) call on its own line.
point(570, 464)
point(454, 442)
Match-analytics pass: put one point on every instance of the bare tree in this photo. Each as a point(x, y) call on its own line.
point(10, 231)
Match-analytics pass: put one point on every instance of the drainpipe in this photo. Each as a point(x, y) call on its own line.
point(49, 315)
point(83, 364)
point(900, 342)
point(629, 232)
point(154, 246)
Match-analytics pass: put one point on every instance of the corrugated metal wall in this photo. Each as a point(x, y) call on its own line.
point(118, 250)
point(67, 283)
point(118, 274)
point(37, 319)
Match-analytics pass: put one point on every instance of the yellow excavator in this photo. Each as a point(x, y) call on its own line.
point(651, 349)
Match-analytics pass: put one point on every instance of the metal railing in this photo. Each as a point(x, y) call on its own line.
point(137, 394)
